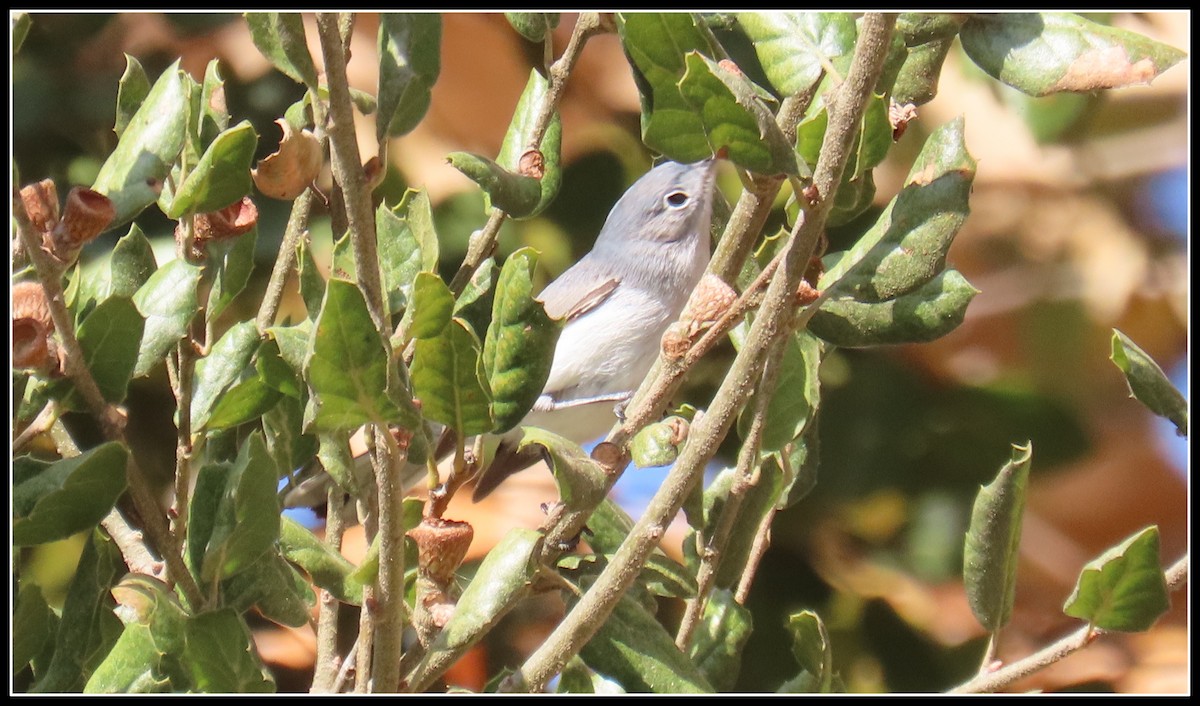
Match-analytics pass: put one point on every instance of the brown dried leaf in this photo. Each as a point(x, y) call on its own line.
point(288, 172)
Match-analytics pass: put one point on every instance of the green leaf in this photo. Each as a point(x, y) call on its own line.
point(917, 81)
point(32, 625)
point(654, 445)
point(448, 378)
point(796, 393)
point(1041, 53)
point(499, 583)
point(312, 282)
point(519, 346)
point(656, 44)
point(720, 638)
point(1148, 383)
point(794, 47)
point(132, 91)
point(281, 594)
point(906, 247)
point(408, 244)
point(280, 37)
point(735, 118)
point(167, 301)
point(328, 569)
point(110, 337)
point(802, 457)
point(208, 499)
point(133, 174)
point(534, 26)
point(283, 427)
point(222, 176)
point(926, 314)
point(810, 645)
point(990, 554)
point(757, 502)
point(233, 263)
point(920, 28)
point(474, 305)
point(244, 402)
point(346, 366)
point(219, 655)
point(213, 117)
point(275, 372)
point(293, 341)
point(246, 523)
point(1124, 588)
point(519, 138)
point(581, 480)
point(634, 649)
point(432, 306)
point(221, 368)
point(153, 636)
point(871, 142)
point(131, 264)
point(88, 628)
point(409, 63)
point(69, 496)
point(515, 194)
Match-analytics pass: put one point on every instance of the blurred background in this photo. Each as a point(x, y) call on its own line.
point(1079, 224)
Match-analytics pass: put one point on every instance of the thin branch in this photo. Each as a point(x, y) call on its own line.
point(593, 609)
point(326, 667)
point(392, 614)
point(112, 419)
point(41, 423)
point(483, 243)
point(989, 683)
point(762, 540)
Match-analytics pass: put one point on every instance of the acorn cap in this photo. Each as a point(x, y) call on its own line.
point(86, 215)
point(441, 547)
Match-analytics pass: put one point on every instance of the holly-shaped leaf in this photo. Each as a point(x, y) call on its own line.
point(1124, 588)
point(795, 47)
point(222, 176)
point(448, 378)
point(168, 302)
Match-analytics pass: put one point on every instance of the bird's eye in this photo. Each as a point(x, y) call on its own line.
point(676, 199)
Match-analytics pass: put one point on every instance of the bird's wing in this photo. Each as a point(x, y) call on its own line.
point(577, 291)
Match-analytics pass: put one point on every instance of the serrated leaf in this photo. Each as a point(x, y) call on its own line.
point(794, 47)
point(153, 138)
point(132, 91)
point(167, 301)
point(432, 306)
point(810, 645)
point(990, 553)
point(131, 264)
point(720, 638)
point(1041, 53)
point(534, 26)
point(328, 569)
point(221, 368)
point(513, 193)
point(222, 175)
point(69, 496)
point(346, 366)
point(280, 37)
point(1124, 588)
point(233, 263)
point(408, 244)
point(448, 378)
point(1148, 383)
point(110, 337)
point(926, 314)
point(634, 649)
point(409, 63)
point(519, 347)
point(519, 137)
point(88, 628)
point(219, 655)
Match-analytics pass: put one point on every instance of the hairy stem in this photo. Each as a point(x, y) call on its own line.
point(391, 616)
point(327, 665)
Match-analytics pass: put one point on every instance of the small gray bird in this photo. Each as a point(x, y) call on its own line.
point(617, 302)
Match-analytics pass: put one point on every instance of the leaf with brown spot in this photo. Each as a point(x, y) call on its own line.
point(286, 173)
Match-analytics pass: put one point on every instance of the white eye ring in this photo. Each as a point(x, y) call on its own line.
point(676, 199)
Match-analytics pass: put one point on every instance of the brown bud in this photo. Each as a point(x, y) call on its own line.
point(441, 547)
point(900, 116)
point(729, 66)
point(812, 193)
point(41, 204)
point(709, 301)
point(374, 172)
point(679, 429)
point(675, 343)
point(806, 294)
point(86, 215)
point(441, 609)
point(285, 174)
point(235, 219)
point(532, 164)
